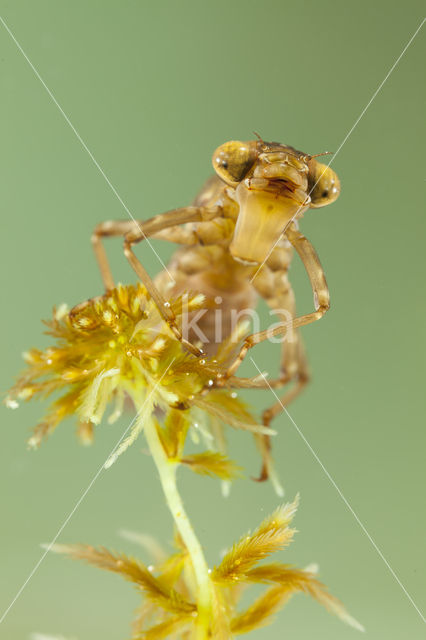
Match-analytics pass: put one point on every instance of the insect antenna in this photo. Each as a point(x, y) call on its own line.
point(265, 145)
point(324, 153)
point(258, 136)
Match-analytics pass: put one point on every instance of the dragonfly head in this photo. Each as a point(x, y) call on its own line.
point(273, 185)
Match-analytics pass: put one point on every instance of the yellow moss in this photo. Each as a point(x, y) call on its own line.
point(114, 347)
point(170, 584)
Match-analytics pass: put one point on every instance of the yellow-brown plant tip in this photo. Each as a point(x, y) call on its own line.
point(116, 347)
point(169, 608)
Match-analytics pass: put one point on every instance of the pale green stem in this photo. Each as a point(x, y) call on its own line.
point(167, 470)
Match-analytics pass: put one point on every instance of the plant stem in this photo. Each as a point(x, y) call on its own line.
point(167, 471)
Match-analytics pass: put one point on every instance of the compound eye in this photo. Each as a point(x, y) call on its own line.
point(325, 185)
point(233, 160)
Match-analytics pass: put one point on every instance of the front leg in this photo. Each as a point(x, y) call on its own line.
point(108, 229)
point(167, 225)
point(168, 230)
point(319, 286)
point(157, 224)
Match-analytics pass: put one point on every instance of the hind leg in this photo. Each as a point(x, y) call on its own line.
point(300, 379)
point(300, 376)
point(275, 288)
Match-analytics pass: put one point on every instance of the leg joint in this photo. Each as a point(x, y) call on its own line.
point(95, 238)
point(127, 247)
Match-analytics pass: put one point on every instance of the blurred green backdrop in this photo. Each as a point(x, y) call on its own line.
point(152, 89)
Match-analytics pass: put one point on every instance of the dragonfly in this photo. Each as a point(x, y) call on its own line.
point(236, 243)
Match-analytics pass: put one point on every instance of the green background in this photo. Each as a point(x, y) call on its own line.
point(152, 89)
